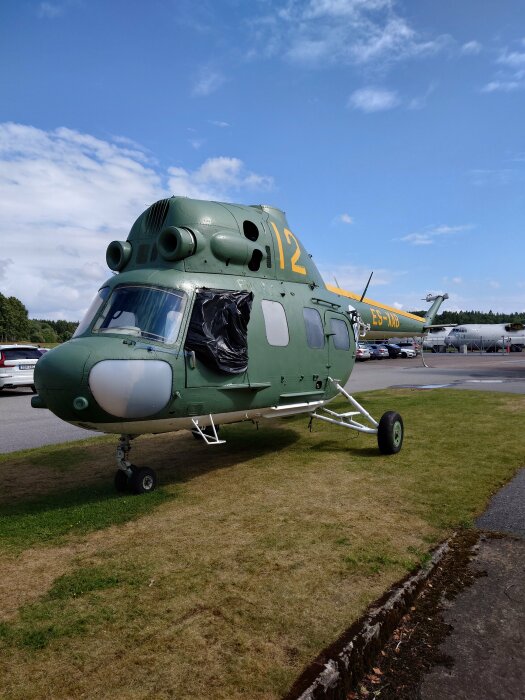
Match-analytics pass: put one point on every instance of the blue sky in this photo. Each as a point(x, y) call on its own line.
point(391, 132)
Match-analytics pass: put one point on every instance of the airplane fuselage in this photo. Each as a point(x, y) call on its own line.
point(487, 336)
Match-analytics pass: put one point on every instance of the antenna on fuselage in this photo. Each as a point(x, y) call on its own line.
point(363, 294)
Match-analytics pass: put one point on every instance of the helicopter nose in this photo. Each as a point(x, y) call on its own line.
point(131, 388)
point(61, 368)
point(58, 375)
point(75, 388)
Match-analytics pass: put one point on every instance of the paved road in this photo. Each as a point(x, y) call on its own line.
point(23, 427)
point(491, 372)
point(487, 640)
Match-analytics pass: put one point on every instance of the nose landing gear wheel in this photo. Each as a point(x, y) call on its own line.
point(143, 480)
point(390, 433)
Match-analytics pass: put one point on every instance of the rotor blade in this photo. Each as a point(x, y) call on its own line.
point(363, 294)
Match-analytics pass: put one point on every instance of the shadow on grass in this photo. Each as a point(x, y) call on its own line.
point(49, 519)
point(243, 444)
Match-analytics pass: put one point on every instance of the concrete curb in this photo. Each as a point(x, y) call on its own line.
point(344, 663)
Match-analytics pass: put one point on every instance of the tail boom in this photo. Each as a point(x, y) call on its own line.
point(384, 320)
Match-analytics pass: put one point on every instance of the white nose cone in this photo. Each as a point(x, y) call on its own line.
point(131, 388)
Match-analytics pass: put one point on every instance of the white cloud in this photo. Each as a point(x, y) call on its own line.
point(429, 234)
point(421, 101)
point(394, 37)
point(345, 218)
point(359, 32)
point(50, 9)
point(354, 278)
point(316, 9)
point(452, 280)
point(497, 177)
point(512, 59)
point(471, 48)
point(65, 195)
point(221, 125)
point(373, 99)
point(501, 86)
point(197, 143)
point(510, 74)
point(207, 81)
point(5, 263)
point(215, 178)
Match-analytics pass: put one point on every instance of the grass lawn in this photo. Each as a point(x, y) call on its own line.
point(248, 560)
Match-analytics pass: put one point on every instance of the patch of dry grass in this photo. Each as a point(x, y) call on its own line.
point(264, 550)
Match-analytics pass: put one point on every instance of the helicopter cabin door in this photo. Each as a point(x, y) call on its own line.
point(216, 347)
point(341, 345)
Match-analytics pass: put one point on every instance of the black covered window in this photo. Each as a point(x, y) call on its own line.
point(218, 330)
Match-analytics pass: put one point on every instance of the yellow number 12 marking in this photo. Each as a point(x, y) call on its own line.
point(297, 253)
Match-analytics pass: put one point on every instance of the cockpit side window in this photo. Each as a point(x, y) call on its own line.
point(101, 297)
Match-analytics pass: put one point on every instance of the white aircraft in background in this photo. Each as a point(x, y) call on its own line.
point(487, 336)
point(434, 338)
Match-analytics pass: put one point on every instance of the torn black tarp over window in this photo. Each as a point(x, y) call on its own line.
point(218, 331)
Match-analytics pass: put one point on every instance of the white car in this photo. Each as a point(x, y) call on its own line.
point(407, 351)
point(362, 352)
point(17, 364)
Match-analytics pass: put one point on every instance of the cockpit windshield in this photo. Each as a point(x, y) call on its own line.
point(148, 312)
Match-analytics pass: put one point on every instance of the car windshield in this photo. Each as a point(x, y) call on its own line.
point(148, 312)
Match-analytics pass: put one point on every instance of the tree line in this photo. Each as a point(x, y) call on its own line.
point(458, 317)
point(15, 325)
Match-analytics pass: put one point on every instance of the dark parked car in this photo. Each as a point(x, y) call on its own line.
point(393, 350)
point(377, 352)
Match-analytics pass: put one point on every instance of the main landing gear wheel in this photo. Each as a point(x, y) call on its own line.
point(390, 433)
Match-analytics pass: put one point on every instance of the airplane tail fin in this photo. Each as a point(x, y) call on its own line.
point(437, 300)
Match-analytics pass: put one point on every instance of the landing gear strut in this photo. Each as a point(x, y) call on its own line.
point(129, 477)
point(389, 430)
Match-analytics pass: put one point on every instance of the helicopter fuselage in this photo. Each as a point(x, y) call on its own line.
point(215, 310)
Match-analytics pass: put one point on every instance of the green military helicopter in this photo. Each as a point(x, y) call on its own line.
point(216, 314)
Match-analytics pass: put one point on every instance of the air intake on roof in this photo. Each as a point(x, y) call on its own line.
point(156, 215)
